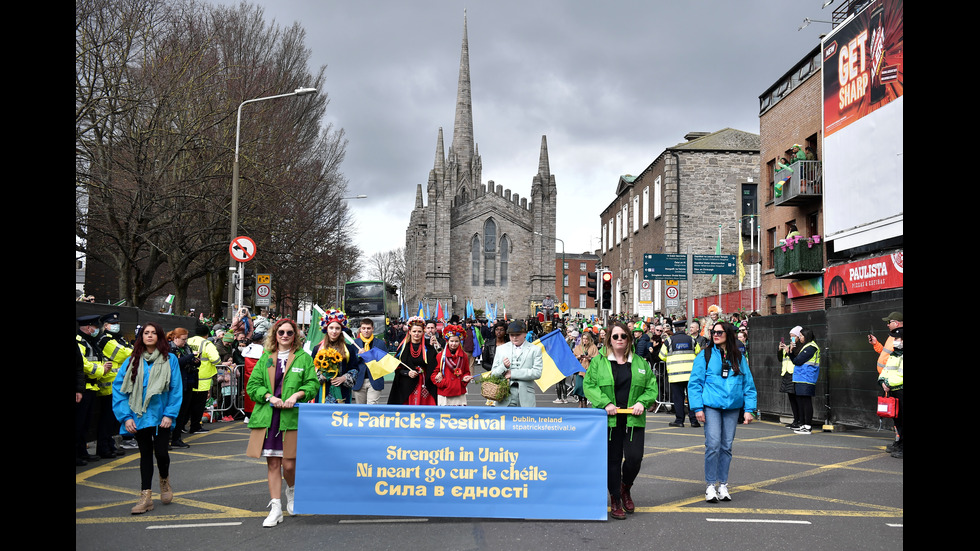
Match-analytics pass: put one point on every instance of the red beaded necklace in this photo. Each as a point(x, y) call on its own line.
point(411, 349)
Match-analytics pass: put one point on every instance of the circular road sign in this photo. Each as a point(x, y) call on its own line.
point(242, 248)
point(672, 292)
point(263, 290)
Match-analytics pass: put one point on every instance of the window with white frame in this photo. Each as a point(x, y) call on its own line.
point(646, 205)
point(657, 193)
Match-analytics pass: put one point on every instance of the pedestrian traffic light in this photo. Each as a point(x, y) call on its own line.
point(606, 290)
point(248, 283)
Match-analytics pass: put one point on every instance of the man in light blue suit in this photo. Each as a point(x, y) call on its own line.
point(521, 362)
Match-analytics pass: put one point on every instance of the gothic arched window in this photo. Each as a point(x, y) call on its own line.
point(489, 252)
point(476, 259)
point(504, 255)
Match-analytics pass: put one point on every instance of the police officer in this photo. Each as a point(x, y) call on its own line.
point(95, 366)
point(679, 351)
point(115, 350)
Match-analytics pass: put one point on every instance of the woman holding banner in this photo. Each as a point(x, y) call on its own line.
point(413, 384)
point(282, 377)
point(452, 372)
point(623, 384)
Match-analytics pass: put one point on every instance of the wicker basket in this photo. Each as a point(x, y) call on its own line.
point(494, 391)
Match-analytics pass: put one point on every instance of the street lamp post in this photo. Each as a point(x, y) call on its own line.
point(234, 192)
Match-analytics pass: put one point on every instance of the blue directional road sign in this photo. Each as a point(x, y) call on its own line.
point(665, 266)
point(715, 264)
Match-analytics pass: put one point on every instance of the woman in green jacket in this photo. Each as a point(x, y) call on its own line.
point(619, 380)
point(283, 376)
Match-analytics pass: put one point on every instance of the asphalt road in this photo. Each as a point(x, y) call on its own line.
point(823, 491)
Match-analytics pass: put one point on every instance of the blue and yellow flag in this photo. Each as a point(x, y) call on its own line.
point(558, 359)
point(379, 362)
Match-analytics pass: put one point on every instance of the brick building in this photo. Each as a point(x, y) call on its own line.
point(676, 205)
point(574, 270)
point(790, 113)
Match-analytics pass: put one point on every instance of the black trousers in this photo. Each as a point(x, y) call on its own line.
point(624, 454)
point(153, 441)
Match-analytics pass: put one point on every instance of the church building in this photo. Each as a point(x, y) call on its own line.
point(467, 240)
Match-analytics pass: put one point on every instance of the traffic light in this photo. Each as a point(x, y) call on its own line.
point(606, 289)
point(248, 283)
point(593, 286)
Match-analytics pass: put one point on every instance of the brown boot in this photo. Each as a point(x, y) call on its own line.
point(627, 498)
point(616, 508)
point(145, 503)
point(166, 492)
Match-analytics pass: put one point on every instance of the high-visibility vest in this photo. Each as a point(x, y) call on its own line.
point(91, 363)
point(892, 374)
point(117, 354)
point(886, 351)
point(208, 354)
point(809, 372)
point(788, 365)
point(679, 353)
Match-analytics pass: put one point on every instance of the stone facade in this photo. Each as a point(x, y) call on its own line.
point(675, 206)
point(475, 241)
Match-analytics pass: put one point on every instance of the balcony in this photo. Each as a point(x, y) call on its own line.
point(805, 184)
point(803, 260)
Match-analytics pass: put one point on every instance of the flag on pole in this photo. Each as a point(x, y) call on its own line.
point(741, 264)
point(439, 313)
point(558, 359)
point(379, 362)
point(313, 334)
point(427, 314)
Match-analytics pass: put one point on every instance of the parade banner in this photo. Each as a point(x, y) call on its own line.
point(426, 461)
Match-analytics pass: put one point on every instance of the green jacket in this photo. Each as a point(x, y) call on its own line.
point(600, 388)
point(300, 375)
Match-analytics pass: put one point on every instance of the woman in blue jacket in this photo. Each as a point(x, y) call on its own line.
point(146, 400)
point(721, 384)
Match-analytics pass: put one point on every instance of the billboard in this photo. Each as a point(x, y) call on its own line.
point(863, 123)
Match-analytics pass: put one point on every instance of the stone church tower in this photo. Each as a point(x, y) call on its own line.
point(473, 241)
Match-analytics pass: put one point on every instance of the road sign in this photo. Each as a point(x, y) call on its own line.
point(263, 278)
point(716, 264)
point(665, 266)
point(672, 292)
point(242, 248)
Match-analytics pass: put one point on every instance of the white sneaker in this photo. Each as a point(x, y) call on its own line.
point(558, 401)
point(290, 495)
point(710, 495)
point(805, 429)
point(275, 515)
point(723, 492)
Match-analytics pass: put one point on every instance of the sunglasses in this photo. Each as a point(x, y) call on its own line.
point(284, 333)
point(717, 333)
point(618, 336)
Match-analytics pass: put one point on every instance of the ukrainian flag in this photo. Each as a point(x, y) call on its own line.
point(379, 362)
point(558, 359)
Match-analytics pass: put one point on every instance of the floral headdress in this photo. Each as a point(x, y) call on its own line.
point(416, 320)
point(454, 331)
point(333, 316)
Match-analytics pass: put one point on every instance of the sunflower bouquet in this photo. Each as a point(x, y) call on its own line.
point(327, 364)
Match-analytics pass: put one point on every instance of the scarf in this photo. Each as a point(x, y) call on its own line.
point(158, 382)
point(367, 342)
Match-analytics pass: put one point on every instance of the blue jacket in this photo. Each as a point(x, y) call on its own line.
point(160, 406)
point(708, 388)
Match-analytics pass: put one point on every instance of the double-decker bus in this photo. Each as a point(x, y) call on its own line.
point(370, 299)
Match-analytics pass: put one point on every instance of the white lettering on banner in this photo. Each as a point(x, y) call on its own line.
point(878, 269)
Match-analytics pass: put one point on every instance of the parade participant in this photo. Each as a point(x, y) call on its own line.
point(94, 366)
point(335, 360)
point(490, 347)
point(433, 337)
point(452, 372)
point(367, 389)
point(188, 364)
point(805, 355)
point(413, 384)
point(678, 352)
point(146, 397)
point(721, 385)
point(520, 362)
point(282, 377)
point(616, 380)
point(892, 380)
point(208, 355)
point(584, 351)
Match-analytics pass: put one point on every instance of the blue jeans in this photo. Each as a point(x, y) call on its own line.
point(719, 432)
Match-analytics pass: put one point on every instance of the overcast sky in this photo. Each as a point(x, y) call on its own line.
point(611, 83)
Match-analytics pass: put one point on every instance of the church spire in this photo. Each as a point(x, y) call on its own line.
point(440, 163)
point(463, 126)
point(543, 169)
